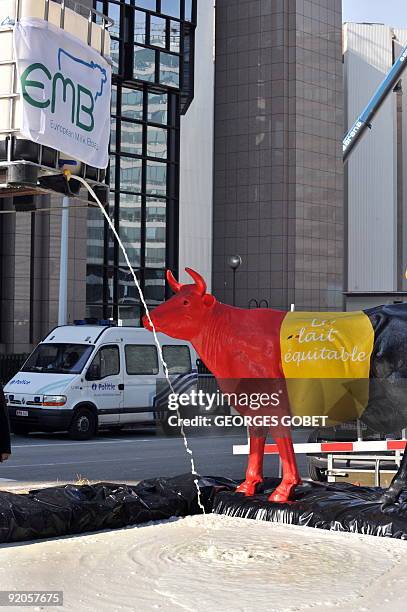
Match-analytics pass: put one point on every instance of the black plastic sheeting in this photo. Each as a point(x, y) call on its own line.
point(337, 507)
point(73, 509)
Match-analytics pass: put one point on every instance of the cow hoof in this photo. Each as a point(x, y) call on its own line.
point(392, 494)
point(284, 492)
point(248, 487)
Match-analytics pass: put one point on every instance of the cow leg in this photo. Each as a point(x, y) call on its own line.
point(254, 473)
point(291, 477)
point(397, 485)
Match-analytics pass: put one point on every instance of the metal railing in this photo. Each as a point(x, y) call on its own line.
point(374, 462)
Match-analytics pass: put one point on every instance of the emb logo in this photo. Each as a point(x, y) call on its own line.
point(66, 89)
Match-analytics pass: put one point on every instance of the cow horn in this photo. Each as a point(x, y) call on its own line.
point(199, 281)
point(174, 284)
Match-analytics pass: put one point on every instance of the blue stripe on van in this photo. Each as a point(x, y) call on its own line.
point(55, 385)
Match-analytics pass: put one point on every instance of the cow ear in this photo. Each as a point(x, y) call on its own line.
point(208, 300)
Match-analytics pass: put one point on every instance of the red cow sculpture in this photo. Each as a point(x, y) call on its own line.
point(234, 344)
point(244, 345)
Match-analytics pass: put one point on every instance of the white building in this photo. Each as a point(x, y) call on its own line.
point(376, 171)
point(196, 156)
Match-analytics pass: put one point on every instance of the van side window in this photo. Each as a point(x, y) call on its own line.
point(177, 358)
point(141, 359)
point(106, 363)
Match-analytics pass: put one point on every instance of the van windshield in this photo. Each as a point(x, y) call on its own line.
point(58, 358)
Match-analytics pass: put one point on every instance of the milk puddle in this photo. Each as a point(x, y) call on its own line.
point(214, 563)
point(160, 353)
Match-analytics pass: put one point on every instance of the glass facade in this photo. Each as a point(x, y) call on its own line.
point(152, 60)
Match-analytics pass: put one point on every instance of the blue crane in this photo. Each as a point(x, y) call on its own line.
point(364, 120)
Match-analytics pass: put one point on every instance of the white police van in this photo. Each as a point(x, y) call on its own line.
point(82, 378)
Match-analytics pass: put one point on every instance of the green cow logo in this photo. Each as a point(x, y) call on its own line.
point(63, 89)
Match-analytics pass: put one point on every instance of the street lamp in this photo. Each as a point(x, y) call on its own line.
point(234, 261)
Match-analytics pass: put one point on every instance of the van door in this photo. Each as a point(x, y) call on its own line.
point(104, 383)
point(140, 375)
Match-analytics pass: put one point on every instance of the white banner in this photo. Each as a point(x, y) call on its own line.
point(65, 89)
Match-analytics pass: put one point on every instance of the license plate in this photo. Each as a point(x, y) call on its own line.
point(21, 412)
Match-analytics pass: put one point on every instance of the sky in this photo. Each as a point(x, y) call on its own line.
point(390, 12)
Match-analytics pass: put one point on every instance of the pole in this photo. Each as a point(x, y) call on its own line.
point(234, 261)
point(63, 265)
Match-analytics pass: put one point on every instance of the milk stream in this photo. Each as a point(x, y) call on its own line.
point(123, 249)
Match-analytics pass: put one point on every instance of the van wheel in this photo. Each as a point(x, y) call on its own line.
point(19, 429)
point(169, 430)
point(83, 425)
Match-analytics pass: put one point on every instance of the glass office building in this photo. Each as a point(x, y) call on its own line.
point(153, 58)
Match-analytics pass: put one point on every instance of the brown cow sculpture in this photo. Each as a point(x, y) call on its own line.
point(238, 344)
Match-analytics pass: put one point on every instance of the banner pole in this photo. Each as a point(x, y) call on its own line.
point(63, 265)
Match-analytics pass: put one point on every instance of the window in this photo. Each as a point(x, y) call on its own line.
point(99, 7)
point(106, 363)
point(188, 10)
point(156, 178)
point(58, 358)
point(132, 103)
point(113, 122)
point(128, 293)
point(130, 315)
point(114, 14)
point(155, 210)
point(130, 236)
point(155, 243)
point(178, 359)
point(175, 35)
point(154, 290)
point(115, 54)
point(169, 70)
point(95, 257)
point(96, 235)
point(94, 277)
point(158, 31)
point(155, 234)
point(112, 171)
point(130, 208)
point(157, 108)
point(132, 138)
point(140, 27)
point(144, 64)
point(157, 142)
point(171, 7)
point(114, 99)
point(147, 4)
point(141, 359)
point(130, 174)
point(154, 257)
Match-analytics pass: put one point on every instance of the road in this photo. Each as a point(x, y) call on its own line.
point(127, 456)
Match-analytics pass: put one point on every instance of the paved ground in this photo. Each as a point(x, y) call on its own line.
point(127, 456)
point(190, 564)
